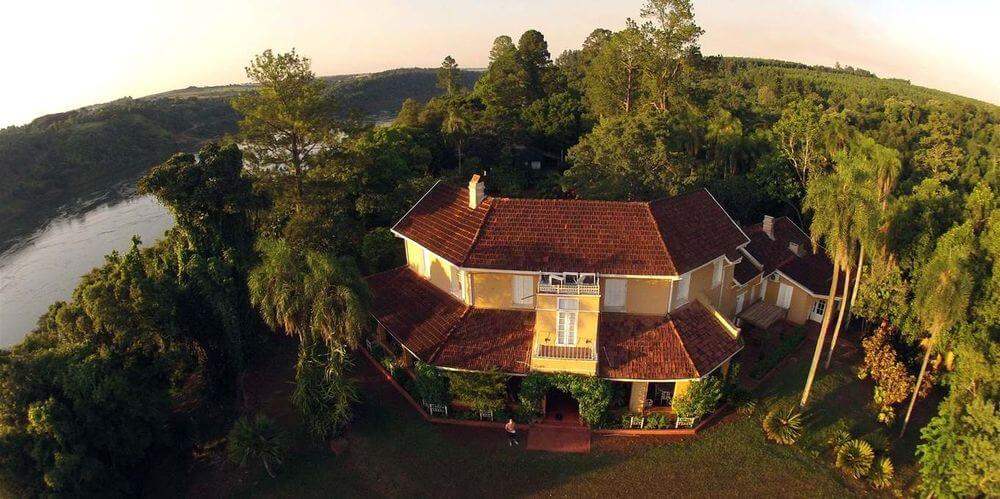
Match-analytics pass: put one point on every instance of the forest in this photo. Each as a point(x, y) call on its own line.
point(897, 183)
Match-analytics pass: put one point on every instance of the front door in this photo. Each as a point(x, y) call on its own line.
point(785, 296)
point(816, 312)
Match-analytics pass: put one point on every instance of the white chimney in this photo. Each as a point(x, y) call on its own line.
point(477, 192)
point(796, 248)
point(769, 226)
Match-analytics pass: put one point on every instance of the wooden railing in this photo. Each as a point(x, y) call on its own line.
point(565, 352)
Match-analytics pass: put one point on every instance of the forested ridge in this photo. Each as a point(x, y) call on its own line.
point(896, 184)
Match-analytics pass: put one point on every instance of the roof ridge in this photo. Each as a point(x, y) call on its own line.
point(447, 336)
point(479, 229)
point(659, 232)
point(675, 330)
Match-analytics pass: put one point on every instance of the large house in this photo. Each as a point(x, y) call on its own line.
point(644, 293)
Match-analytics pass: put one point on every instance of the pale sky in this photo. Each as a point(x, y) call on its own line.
point(67, 54)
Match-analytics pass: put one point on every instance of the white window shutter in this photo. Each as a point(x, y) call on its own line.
point(614, 293)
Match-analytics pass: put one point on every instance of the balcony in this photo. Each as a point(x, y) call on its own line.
point(569, 284)
point(565, 352)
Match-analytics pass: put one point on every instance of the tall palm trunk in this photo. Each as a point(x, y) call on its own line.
point(916, 387)
point(857, 274)
point(840, 315)
point(827, 315)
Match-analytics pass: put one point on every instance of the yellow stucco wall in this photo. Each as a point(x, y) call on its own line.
point(414, 256)
point(495, 290)
point(802, 302)
point(647, 296)
point(681, 387)
point(545, 333)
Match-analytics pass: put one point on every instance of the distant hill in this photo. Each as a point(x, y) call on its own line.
point(60, 157)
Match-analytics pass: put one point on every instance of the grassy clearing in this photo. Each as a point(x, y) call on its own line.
point(393, 453)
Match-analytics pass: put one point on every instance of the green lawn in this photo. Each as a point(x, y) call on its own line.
point(393, 453)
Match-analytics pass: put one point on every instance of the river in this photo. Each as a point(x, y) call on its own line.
point(46, 266)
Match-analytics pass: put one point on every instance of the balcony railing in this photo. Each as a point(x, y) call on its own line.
point(565, 352)
point(569, 289)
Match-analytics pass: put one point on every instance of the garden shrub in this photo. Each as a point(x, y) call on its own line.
point(257, 438)
point(783, 426)
point(892, 378)
point(592, 393)
point(789, 342)
point(658, 421)
point(701, 398)
point(430, 384)
point(855, 458)
point(837, 438)
point(483, 391)
point(881, 473)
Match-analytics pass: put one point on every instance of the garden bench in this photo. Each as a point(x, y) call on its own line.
point(636, 422)
point(487, 414)
point(685, 423)
point(437, 408)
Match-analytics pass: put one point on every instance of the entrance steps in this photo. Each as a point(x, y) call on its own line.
point(559, 437)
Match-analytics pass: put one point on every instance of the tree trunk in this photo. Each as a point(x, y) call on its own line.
point(916, 387)
point(840, 315)
point(857, 275)
point(827, 314)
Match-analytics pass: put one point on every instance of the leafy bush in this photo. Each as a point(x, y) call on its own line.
point(659, 420)
point(483, 391)
point(700, 399)
point(592, 393)
point(789, 342)
point(257, 438)
point(431, 386)
point(747, 407)
point(783, 426)
point(881, 473)
point(855, 458)
point(837, 439)
point(324, 393)
point(892, 379)
point(878, 440)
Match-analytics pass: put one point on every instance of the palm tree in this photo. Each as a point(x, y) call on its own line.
point(859, 163)
point(339, 299)
point(835, 200)
point(886, 166)
point(276, 287)
point(456, 127)
point(943, 293)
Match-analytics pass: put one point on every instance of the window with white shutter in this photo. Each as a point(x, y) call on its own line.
point(717, 273)
point(681, 293)
point(614, 293)
point(566, 319)
point(523, 290)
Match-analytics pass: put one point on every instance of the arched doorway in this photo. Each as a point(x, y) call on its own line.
point(561, 408)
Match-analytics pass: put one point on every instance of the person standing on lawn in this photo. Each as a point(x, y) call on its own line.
point(511, 428)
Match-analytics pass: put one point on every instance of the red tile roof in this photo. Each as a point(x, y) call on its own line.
point(688, 343)
point(415, 311)
point(443, 222)
point(441, 330)
point(665, 237)
point(812, 270)
point(490, 339)
point(744, 271)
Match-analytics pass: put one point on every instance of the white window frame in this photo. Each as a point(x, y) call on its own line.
point(816, 307)
point(567, 318)
point(778, 301)
point(682, 290)
point(522, 290)
point(740, 301)
point(615, 288)
point(717, 273)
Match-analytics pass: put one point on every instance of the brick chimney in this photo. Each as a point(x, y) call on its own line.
point(769, 226)
point(477, 192)
point(796, 248)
